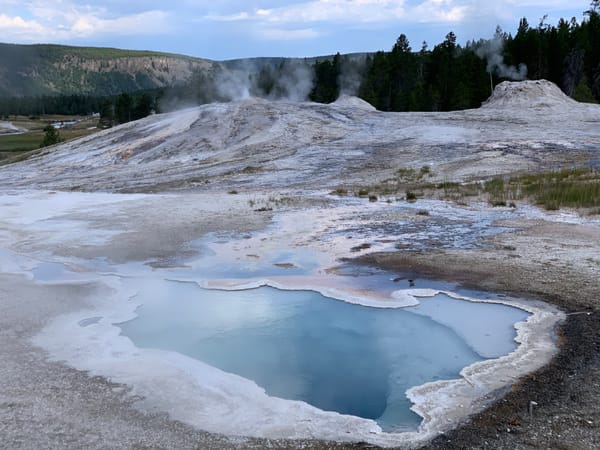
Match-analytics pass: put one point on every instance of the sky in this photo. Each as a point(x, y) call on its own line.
point(228, 29)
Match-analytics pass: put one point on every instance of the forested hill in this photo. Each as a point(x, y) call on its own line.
point(450, 76)
point(35, 70)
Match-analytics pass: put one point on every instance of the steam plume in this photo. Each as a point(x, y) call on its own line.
point(492, 52)
point(351, 74)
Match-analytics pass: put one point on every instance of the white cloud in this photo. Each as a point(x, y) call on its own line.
point(439, 11)
point(308, 19)
point(19, 28)
point(325, 11)
point(355, 12)
point(64, 20)
point(554, 4)
point(150, 22)
point(281, 34)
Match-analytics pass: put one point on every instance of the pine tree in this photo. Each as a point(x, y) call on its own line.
point(51, 136)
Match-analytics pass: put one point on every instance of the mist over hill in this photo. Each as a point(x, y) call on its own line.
point(50, 70)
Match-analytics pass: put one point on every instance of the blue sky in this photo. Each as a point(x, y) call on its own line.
point(227, 29)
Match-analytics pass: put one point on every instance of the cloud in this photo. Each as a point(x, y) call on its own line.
point(324, 11)
point(313, 18)
point(384, 11)
point(439, 11)
point(547, 3)
point(63, 21)
point(150, 22)
point(354, 12)
point(283, 34)
point(231, 28)
point(19, 28)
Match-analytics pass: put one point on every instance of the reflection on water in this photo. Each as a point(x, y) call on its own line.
point(303, 346)
point(239, 264)
point(46, 271)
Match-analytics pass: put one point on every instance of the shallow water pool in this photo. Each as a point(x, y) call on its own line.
point(301, 345)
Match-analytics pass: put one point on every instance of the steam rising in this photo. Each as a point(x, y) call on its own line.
point(289, 80)
point(294, 82)
point(351, 75)
point(492, 51)
point(232, 85)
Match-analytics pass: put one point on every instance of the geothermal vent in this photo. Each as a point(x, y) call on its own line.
point(353, 102)
point(537, 94)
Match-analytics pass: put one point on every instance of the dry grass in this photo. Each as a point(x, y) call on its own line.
point(573, 188)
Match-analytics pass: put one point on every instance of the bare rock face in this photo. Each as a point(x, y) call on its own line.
point(160, 70)
point(538, 94)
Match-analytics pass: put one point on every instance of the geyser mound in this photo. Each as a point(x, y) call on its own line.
point(350, 101)
point(538, 94)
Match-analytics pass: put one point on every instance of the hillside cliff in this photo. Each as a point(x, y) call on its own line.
point(27, 70)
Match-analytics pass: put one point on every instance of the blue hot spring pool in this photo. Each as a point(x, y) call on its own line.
point(334, 355)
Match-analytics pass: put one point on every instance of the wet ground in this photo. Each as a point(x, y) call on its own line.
point(303, 240)
point(566, 392)
point(282, 158)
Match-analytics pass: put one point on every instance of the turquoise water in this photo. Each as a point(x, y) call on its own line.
point(301, 345)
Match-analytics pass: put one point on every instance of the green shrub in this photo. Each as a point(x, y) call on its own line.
point(494, 186)
point(411, 196)
point(425, 170)
point(51, 136)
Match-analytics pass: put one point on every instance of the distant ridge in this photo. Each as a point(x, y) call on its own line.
point(47, 69)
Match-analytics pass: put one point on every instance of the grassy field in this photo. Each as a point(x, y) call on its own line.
point(16, 145)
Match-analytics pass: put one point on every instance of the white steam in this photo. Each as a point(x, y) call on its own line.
point(492, 51)
point(232, 85)
point(291, 81)
point(351, 74)
point(295, 81)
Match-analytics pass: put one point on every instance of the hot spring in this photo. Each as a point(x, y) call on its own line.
point(336, 356)
point(274, 334)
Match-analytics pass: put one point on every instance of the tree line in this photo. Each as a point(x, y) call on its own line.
point(452, 77)
point(446, 78)
point(113, 110)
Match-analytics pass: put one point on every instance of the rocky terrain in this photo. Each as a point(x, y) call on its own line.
point(255, 143)
point(251, 166)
